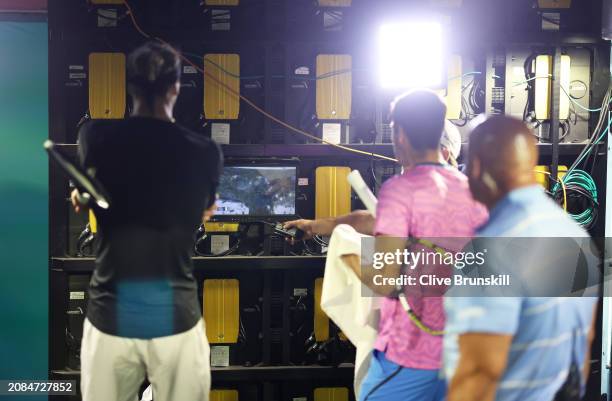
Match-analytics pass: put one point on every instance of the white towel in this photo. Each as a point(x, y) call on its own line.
point(352, 306)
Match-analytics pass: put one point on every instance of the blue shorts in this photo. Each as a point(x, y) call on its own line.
point(388, 381)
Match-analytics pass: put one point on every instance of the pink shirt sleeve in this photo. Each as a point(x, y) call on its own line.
point(393, 212)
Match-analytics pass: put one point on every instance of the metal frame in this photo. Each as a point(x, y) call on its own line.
point(606, 332)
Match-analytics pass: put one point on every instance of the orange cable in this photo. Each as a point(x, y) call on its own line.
point(249, 102)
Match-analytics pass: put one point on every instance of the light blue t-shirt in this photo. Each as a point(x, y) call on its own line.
point(548, 333)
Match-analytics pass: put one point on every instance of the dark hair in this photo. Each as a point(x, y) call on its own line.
point(151, 70)
point(421, 114)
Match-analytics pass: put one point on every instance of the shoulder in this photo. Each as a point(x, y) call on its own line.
point(99, 131)
point(200, 143)
point(397, 188)
point(504, 219)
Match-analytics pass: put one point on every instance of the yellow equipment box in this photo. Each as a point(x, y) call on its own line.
point(224, 395)
point(93, 222)
point(221, 227)
point(107, 96)
point(543, 174)
point(554, 3)
point(332, 191)
point(543, 87)
point(453, 88)
point(221, 303)
point(334, 86)
point(321, 321)
point(221, 86)
point(331, 394)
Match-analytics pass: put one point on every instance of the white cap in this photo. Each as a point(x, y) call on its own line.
point(451, 139)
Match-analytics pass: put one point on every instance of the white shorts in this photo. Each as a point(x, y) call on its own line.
point(114, 368)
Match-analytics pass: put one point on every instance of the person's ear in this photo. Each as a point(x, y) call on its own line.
point(177, 87)
point(473, 168)
point(445, 153)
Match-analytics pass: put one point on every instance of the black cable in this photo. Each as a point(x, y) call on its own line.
point(596, 132)
point(201, 236)
point(383, 382)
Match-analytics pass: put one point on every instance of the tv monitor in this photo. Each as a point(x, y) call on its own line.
point(252, 191)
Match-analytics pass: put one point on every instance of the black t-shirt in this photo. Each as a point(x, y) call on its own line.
point(160, 178)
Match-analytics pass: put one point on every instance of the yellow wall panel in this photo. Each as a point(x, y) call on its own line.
point(107, 94)
point(554, 3)
point(334, 87)
point(564, 100)
point(93, 222)
point(331, 394)
point(453, 88)
point(543, 87)
point(224, 395)
point(221, 303)
point(222, 72)
point(332, 191)
point(543, 177)
point(321, 321)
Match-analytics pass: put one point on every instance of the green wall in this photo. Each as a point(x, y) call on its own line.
point(23, 201)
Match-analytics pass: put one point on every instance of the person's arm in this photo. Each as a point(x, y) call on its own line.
point(375, 278)
point(482, 362)
point(215, 158)
point(391, 227)
point(479, 332)
point(361, 220)
point(86, 159)
point(586, 368)
point(215, 167)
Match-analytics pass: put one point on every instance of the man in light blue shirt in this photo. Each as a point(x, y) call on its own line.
point(518, 347)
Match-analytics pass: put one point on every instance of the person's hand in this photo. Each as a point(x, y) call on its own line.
point(74, 199)
point(210, 212)
point(307, 226)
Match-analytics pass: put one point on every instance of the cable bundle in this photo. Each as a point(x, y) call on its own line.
point(581, 189)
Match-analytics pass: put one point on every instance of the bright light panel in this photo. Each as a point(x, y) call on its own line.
point(411, 55)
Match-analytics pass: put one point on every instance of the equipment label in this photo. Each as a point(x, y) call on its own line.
point(303, 182)
point(219, 356)
point(300, 292)
point(77, 295)
point(220, 133)
point(219, 244)
point(332, 133)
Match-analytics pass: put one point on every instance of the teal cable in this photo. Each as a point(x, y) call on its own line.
point(580, 179)
point(591, 149)
point(564, 91)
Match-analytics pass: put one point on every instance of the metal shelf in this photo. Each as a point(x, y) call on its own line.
point(322, 150)
point(225, 263)
point(256, 373)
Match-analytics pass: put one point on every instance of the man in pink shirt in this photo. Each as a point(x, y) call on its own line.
point(429, 200)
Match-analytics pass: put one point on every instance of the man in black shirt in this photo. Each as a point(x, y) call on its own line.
point(143, 317)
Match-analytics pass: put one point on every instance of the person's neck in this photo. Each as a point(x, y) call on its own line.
point(160, 111)
point(428, 157)
point(519, 183)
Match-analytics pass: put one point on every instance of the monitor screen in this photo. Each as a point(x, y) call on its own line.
point(257, 191)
